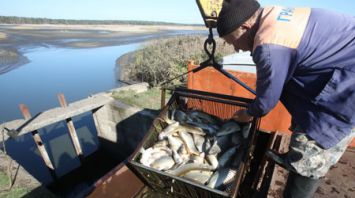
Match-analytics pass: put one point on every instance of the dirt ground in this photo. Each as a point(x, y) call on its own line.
point(338, 183)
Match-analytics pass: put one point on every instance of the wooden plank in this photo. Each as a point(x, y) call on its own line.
point(54, 115)
point(72, 132)
point(162, 99)
point(38, 141)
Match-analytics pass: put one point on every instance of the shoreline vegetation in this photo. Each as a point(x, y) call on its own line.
point(163, 59)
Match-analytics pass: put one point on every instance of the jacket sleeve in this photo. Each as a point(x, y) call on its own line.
point(274, 65)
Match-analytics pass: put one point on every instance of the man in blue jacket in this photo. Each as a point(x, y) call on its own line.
point(306, 59)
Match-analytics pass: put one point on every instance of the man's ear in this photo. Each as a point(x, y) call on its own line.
point(246, 26)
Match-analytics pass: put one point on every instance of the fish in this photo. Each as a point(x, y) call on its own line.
point(197, 158)
point(237, 160)
point(228, 128)
point(177, 158)
point(168, 130)
point(225, 142)
point(226, 156)
point(199, 141)
point(246, 130)
point(222, 177)
point(214, 149)
point(212, 160)
point(199, 176)
point(179, 116)
point(161, 144)
point(202, 117)
point(183, 169)
point(237, 139)
point(189, 143)
point(174, 143)
point(206, 145)
point(151, 154)
point(210, 130)
point(191, 129)
point(163, 163)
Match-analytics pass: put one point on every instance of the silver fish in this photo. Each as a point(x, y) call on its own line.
point(202, 116)
point(161, 144)
point(212, 160)
point(177, 158)
point(228, 128)
point(199, 141)
point(151, 154)
point(191, 129)
point(199, 159)
point(168, 130)
point(183, 169)
point(246, 130)
point(174, 143)
point(198, 176)
point(237, 139)
point(222, 177)
point(206, 145)
point(225, 142)
point(214, 149)
point(163, 163)
point(189, 143)
point(237, 160)
point(227, 156)
point(209, 129)
point(179, 116)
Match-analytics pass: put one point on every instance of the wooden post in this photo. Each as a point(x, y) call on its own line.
point(72, 132)
point(39, 143)
point(162, 101)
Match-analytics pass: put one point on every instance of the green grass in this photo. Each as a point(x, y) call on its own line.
point(149, 99)
point(14, 192)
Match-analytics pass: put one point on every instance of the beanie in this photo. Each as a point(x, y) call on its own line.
point(234, 13)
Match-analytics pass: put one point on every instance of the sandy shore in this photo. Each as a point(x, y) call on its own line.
point(2, 36)
point(116, 28)
point(15, 37)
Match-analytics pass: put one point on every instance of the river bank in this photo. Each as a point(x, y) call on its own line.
point(15, 40)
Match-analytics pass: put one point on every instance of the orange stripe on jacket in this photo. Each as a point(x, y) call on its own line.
point(282, 26)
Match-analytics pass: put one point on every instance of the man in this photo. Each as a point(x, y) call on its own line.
point(306, 59)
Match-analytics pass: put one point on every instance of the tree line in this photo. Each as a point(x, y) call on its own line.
point(30, 20)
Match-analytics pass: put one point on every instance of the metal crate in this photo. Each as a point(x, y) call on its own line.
point(221, 106)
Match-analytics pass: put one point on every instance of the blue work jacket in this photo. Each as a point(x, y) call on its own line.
point(306, 58)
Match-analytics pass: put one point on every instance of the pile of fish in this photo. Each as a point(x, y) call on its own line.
point(198, 147)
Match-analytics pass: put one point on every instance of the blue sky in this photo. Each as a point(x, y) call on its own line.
point(179, 11)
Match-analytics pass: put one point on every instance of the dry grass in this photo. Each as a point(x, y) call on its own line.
point(148, 100)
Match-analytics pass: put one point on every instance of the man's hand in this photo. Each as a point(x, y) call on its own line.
point(242, 116)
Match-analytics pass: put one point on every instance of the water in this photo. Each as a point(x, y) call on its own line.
point(75, 72)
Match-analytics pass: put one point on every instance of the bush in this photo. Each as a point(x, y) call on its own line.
point(164, 59)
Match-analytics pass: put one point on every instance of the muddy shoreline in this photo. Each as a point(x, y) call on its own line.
point(14, 39)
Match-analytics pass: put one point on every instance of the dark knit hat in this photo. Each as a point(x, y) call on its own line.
point(234, 13)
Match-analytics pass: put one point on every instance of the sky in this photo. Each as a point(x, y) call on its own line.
point(176, 11)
